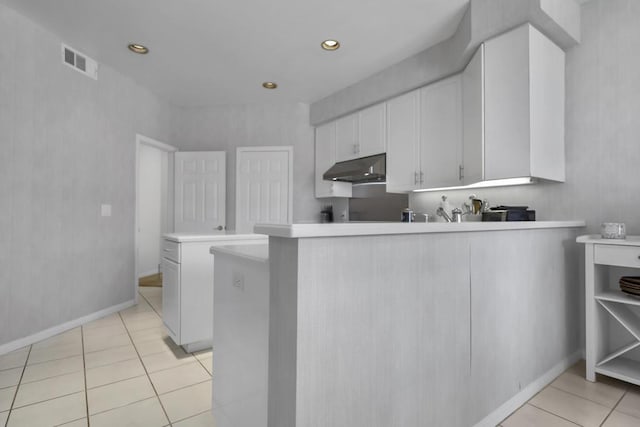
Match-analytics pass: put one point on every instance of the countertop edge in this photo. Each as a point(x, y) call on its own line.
point(239, 250)
point(194, 237)
point(295, 231)
point(591, 239)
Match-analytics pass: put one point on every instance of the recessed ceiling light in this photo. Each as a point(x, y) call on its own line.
point(330, 44)
point(138, 48)
point(269, 85)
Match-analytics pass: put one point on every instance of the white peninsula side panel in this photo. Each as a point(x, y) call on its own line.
point(240, 334)
point(405, 328)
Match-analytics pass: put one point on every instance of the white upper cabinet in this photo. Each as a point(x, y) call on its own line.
point(403, 143)
point(473, 119)
point(441, 133)
point(523, 106)
point(325, 158)
point(373, 130)
point(347, 130)
point(361, 134)
point(424, 137)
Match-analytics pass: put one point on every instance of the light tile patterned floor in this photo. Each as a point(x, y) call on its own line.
point(570, 400)
point(124, 370)
point(119, 370)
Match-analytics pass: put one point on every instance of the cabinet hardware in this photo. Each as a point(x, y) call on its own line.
point(460, 172)
point(415, 178)
point(421, 177)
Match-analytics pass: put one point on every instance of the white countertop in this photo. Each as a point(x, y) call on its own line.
point(199, 237)
point(596, 238)
point(382, 228)
point(255, 252)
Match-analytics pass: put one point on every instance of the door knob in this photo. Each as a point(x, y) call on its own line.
point(219, 228)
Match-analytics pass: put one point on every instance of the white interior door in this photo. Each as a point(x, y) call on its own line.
point(264, 182)
point(200, 191)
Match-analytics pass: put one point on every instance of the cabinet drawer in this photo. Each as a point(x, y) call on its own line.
point(623, 256)
point(171, 250)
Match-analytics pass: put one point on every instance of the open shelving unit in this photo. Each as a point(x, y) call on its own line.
point(605, 303)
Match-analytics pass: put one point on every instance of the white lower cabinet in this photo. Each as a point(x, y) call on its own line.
point(612, 317)
point(187, 286)
point(171, 296)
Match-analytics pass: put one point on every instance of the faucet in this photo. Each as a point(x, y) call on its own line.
point(441, 212)
point(456, 215)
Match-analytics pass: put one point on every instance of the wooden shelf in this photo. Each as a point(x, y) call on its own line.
point(622, 369)
point(619, 297)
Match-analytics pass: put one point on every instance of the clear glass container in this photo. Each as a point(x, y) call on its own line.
point(613, 230)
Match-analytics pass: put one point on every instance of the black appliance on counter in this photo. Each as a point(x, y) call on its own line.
point(509, 213)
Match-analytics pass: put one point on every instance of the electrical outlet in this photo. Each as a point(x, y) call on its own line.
point(105, 210)
point(238, 280)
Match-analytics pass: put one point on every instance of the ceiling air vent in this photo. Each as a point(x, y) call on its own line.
point(80, 62)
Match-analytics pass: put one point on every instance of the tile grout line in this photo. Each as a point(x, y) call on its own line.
point(614, 407)
point(549, 412)
point(13, 401)
point(585, 398)
point(204, 367)
point(84, 371)
point(150, 305)
point(144, 367)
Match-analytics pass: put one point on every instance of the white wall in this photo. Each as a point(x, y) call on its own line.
point(67, 145)
point(150, 208)
point(228, 127)
point(602, 128)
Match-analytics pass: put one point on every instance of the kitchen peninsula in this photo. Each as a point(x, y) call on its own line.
point(395, 324)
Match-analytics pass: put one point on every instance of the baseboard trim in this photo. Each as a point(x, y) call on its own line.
point(503, 411)
point(48, 333)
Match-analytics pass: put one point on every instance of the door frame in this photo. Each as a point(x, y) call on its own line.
point(169, 149)
point(255, 149)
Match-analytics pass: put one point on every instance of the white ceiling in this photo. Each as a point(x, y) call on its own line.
point(212, 52)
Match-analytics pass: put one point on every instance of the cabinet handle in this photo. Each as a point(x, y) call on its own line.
point(415, 177)
point(460, 172)
point(169, 250)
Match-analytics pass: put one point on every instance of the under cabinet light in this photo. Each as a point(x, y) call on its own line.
point(486, 184)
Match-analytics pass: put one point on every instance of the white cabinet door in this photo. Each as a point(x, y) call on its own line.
point(200, 192)
point(347, 138)
point(523, 106)
point(373, 133)
point(441, 133)
point(506, 106)
point(473, 119)
point(325, 158)
point(403, 142)
point(264, 181)
point(171, 298)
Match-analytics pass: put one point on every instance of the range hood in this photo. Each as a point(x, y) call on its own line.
point(363, 169)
